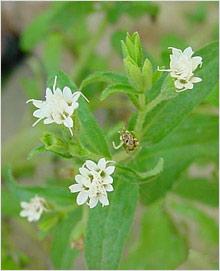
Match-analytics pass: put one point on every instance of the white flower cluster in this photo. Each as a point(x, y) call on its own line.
point(58, 107)
point(182, 67)
point(33, 209)
point(93, 183)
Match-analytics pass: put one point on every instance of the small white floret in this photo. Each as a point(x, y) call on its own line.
point(93, 182)
point(33, 210)
point(58, 107)
point(182, 67)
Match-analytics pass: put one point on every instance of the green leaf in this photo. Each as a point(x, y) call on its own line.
point(52, 52)
point(116, 38)
point(37, 30)
point(56, 144)
point(213, 97)
point(117, 88)
point(31, 87)
point(108, 227)
point(91, 132)
point(108, 77)
point(58, 18)
point(48, 221)
point(195, 138)
point(147, 74)
point(134, 74)
point(57, 195)
point(132, 49)
point(167, 115)
point(160, 246)
point(206, 226)
point(36, 150)
point(62, 254)
point(133, 9)
point(147, 175)
point(198, 189)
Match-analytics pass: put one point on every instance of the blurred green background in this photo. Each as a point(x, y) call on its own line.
point(80, 38)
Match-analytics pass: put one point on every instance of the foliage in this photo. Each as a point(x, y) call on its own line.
point(152, 181)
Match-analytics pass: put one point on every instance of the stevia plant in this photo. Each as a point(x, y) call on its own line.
point(140, 164)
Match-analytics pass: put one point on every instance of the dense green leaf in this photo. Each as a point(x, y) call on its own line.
point(135, 76)
point(61, 252)
point(52, 52)
point(108, 77)
point(116, 38)
point(196, 137)
point(56, 144)
point(36, 150)
point(31, 87)
point(37, 30)
point(60, 16)
point(166, 116)
point(199, 189)
point(160, 246)
point(108, 227)
point(213, 97)
point(206, 226)
point(57, 195)
point(117, 88)
point(132, 9)
point(93, 136)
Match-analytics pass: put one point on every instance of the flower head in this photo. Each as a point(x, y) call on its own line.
point(33, 209)
point(58, 107)
point(93, 183)
point(182, 67)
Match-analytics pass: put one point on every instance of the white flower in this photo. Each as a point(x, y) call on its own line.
point(58, 107)
point(33, 209)
point(182, 66)
point(93, 183)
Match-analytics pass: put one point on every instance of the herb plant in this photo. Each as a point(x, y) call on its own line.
point(136, 165)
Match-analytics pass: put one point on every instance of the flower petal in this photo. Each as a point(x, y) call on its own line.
point(93, 202)
point(108, 180)
point(24, 213)
point(82, 197)
point(79, 178)
point(38, 103)
point(75, 188)
point(24, 204)
point(76, 96)
point(188, 52)
point(189, 85)
point(48, 120)
point(178, 84)
point(175, 51)
point(67, 93)
point(49, 93)
point(102, 163)
point(91, 165)
point(38, 113)
point(109, 188)
point(104, 200)
point(196, 80)
point(58, 92)
point(109, 170)
point(84, 171)
point(68, 122)
point(196, 61)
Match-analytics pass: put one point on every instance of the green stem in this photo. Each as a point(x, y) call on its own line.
point(89, 48)
point(142, 114)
